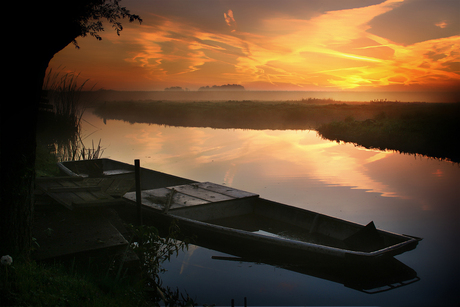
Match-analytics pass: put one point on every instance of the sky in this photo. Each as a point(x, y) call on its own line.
point(301, 45)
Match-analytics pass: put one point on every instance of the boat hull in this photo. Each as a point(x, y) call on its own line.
point(235, 223)
point(265, 247)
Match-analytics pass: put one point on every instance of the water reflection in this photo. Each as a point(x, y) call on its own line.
point(292, 153)
point(294, 167)
point(371, 279)
point(401, 193)
point(225, 154)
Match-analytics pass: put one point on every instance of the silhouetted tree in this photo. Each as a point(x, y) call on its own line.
point(36, 32)
point(225, 87)
point(174, 88)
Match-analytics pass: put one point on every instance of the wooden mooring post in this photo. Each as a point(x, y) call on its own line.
point(137, 174)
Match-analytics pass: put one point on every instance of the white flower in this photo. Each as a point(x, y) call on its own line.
point(6, 260)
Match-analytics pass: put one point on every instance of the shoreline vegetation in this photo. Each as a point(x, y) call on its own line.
point(97, 281)
point(429, 129)
point(85, 280)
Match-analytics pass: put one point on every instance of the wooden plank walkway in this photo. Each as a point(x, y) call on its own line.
point(78, 192)
point(188, 195)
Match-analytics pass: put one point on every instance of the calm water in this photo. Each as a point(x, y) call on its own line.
point(400, 193)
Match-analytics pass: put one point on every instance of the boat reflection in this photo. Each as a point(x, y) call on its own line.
point(370, 278)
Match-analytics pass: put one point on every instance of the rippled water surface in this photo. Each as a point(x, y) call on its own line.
point(400, 193)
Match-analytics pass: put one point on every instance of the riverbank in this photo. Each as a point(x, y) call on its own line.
point(88, 278)
point(427, 129)
point(257, 115)
point(34, 284)
point(94, 277)
point(190, 96)
point(418, 128)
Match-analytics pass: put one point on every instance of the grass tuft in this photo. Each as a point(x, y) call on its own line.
point(33, 284)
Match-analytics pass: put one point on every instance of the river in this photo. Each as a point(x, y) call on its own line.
point(401, 193)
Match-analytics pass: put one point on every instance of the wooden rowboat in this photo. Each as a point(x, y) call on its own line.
point(229, 218)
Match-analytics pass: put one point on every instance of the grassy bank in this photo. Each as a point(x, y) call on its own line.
point(99, 281)
point(307, 114)
point(427, 129)
point(32, 284)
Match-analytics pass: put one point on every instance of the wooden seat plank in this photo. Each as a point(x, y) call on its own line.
point(232, 192)
point(157, 198)
point(76, 194)
point(196, 191)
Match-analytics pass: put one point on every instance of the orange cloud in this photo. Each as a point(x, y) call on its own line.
point(334, 50)
point(441, 24)
point(230, 20)
point(310, 48)
point(316, 52)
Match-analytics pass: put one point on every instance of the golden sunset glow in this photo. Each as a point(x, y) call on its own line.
point(282, 45)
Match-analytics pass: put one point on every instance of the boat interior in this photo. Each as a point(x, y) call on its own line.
point(274, 219)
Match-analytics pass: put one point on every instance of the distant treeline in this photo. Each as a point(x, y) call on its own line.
point(425, 128)
point(226, 87)
point(176, 88)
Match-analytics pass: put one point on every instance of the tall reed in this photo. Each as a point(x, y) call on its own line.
point(63, 92)
point(64, 95)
